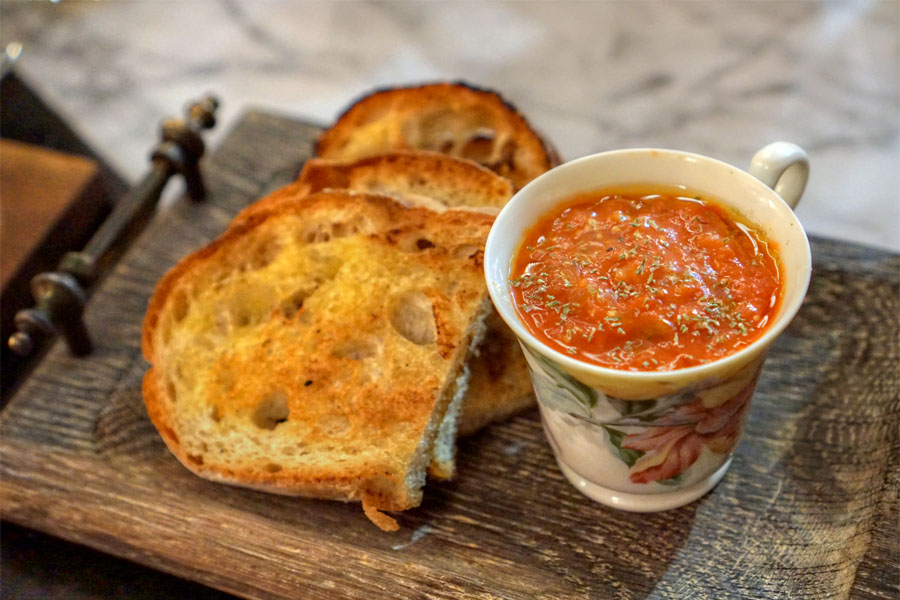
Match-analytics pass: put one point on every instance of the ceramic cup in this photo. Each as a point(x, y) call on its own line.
point(651, 441)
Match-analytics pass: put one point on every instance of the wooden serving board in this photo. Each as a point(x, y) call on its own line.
point(809, 508)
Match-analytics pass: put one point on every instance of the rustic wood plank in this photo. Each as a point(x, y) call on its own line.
point(809, 509)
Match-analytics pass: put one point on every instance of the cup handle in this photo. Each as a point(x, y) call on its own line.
point(784, 167)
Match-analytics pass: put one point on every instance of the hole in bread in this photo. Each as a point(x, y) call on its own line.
point(272, 467)
point(271, 410)
point(343, 229)
point(413, 318)
point(446, 147)
point(356, 349)
point(479, 146)
point(170, 391)
point(215, 414)
point(197, 460)
point(465, 251)
point(291, 305)
point(179, 306)
point(261, 254)
point(411, 241)
point(219, 276)
point(505, 161)
point(446, 129)
point(247, 305)
point(340, 230)
point(242, 318)
point(316, 232)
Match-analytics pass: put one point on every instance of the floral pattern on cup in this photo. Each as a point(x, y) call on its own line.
point(674, 429)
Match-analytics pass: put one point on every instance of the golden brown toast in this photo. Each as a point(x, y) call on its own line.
point(416, 176)
point(315, 349)
point(451, 118)
point(500, 385)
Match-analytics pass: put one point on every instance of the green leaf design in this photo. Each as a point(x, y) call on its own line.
point(627, 408)
point(628, 456)
point(583, 394)
point(672, 480)
point(648, 411)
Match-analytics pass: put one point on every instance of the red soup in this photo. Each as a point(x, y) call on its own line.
point(645, 280)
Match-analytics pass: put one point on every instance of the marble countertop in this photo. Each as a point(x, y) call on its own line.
point(718, 78)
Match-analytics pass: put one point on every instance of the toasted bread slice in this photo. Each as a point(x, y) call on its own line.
point(451, 118)
point(500, 385)
point(420, 177)
point(316, 348)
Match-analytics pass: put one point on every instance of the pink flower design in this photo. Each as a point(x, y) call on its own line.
point(669, 451)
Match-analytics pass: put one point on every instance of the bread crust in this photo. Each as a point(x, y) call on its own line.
point(408, 176)
point(454, 118)
point(390, 225)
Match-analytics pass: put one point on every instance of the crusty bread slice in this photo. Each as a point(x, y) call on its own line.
point(451, 118)
point(500, 385)
point(443, 451)
point(416, 176)
point(315, 349)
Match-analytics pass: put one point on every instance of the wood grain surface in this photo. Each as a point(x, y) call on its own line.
point(809, 508)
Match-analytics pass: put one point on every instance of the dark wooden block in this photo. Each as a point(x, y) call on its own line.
point(25, 117)
point(49, 202)
point(808, 510)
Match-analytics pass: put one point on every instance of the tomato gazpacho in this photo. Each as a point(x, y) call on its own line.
point(645, 279)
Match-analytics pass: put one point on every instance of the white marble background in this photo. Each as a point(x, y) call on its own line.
point(715, 77)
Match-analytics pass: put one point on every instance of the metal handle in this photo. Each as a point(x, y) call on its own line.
point(60, 296)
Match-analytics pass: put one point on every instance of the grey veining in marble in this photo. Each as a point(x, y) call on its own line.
point(718, 78)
